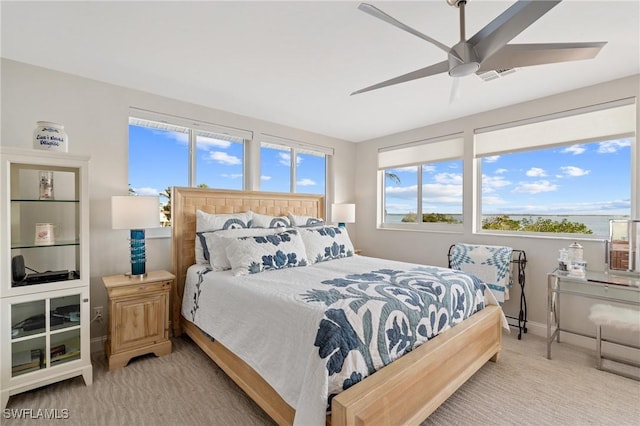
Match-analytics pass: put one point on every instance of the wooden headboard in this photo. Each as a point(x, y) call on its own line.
point(185, 202)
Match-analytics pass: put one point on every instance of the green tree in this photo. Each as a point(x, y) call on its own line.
point(392, 177)
point(439, 218)
point(505, 223)
point(410, 217)
point(166, 209)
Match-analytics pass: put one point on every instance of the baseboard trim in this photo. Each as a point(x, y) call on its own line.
point(97, 344)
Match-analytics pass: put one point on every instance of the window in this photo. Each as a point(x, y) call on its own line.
point(275, 168)
point(158, 157)
point(172, 151)
point(422, 182)
point(290, 166)
point(219, 161)
point(564, 174)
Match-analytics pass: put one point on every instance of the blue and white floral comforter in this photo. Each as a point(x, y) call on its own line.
point(313, 331)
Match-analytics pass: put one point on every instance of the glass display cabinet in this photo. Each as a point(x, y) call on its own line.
point(44, 269)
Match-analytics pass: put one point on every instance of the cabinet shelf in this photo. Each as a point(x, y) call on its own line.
point(28, 245)
point(28, 335)
point(28, 200)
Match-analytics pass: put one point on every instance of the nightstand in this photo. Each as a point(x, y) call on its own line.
point(138, 316)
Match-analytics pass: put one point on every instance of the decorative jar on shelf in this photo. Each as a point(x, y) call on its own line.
point(50, 136)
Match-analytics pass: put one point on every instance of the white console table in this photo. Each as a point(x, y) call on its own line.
point(595, 285)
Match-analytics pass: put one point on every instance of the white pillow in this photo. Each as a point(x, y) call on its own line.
point(213, 222)
point(305, 220)
point(217, 241)
point(278, 250)
point(265, 221)
point(326, 243)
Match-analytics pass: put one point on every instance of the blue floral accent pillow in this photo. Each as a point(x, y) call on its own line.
point(279, 250)
point(216, 243)
point(326, 243)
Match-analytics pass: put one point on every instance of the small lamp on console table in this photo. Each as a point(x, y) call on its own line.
point(343, 213)
point(136, 213)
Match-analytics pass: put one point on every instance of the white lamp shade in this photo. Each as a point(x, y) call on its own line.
point(135, 212)
point(345, 213)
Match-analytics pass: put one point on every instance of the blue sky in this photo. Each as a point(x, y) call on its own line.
point(593, 178)
point(159, 159)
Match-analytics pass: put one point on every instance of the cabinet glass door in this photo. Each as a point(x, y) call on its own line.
point(65, 329)
point(28, 337)
point(44, 333)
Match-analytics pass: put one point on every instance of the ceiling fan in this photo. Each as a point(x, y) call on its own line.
point(488, 50)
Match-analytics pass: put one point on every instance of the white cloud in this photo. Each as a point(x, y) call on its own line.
point(232, 175)
point(224, 158)
point(306, 182)
point(491, 158)
point(610, 147)
point(402, 191)
point(492, 200)
point(182, 138)
point(265, 177)
point(535, 187)
point(574, 171)
point(285, 159)
point(536, 172)
point(448, 178)
point(491, 183)
point(501, 171)
point(146, 191)
point(204, 142)
point(574, 149)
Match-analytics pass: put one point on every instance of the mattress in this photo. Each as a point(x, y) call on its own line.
point(313, 331)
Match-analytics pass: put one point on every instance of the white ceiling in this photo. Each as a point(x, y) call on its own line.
point(295, 63)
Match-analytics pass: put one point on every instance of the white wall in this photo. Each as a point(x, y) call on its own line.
point(95, 116)
point(431, 247)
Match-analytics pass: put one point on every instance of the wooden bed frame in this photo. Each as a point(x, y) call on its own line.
point(404, 392)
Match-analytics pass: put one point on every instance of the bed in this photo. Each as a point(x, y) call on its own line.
point(405, 391)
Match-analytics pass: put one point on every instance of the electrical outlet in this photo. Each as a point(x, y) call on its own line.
point(97, 313)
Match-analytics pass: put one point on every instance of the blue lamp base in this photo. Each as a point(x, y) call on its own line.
point(138, 255)
point(341, 224)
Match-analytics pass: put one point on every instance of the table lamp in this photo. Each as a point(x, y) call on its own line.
point(343, 213)
point(136, 213)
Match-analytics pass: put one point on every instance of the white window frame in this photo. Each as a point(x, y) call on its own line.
point(295, 147)
point(601, 122)
point(419, 153)
point(195, 126)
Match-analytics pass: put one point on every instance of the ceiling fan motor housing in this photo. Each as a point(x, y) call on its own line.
point(466, 61)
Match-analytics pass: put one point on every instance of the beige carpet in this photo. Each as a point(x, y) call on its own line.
point(186, 388)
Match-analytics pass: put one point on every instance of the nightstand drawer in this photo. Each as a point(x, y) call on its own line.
point(138, 289)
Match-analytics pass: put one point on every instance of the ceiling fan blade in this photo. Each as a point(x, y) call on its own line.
point(524, 55)
point(414, 75)
point(495, 35)
point(374, 11)
point(455, 90)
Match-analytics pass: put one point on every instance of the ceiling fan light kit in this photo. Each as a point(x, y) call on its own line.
point(488, 50)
